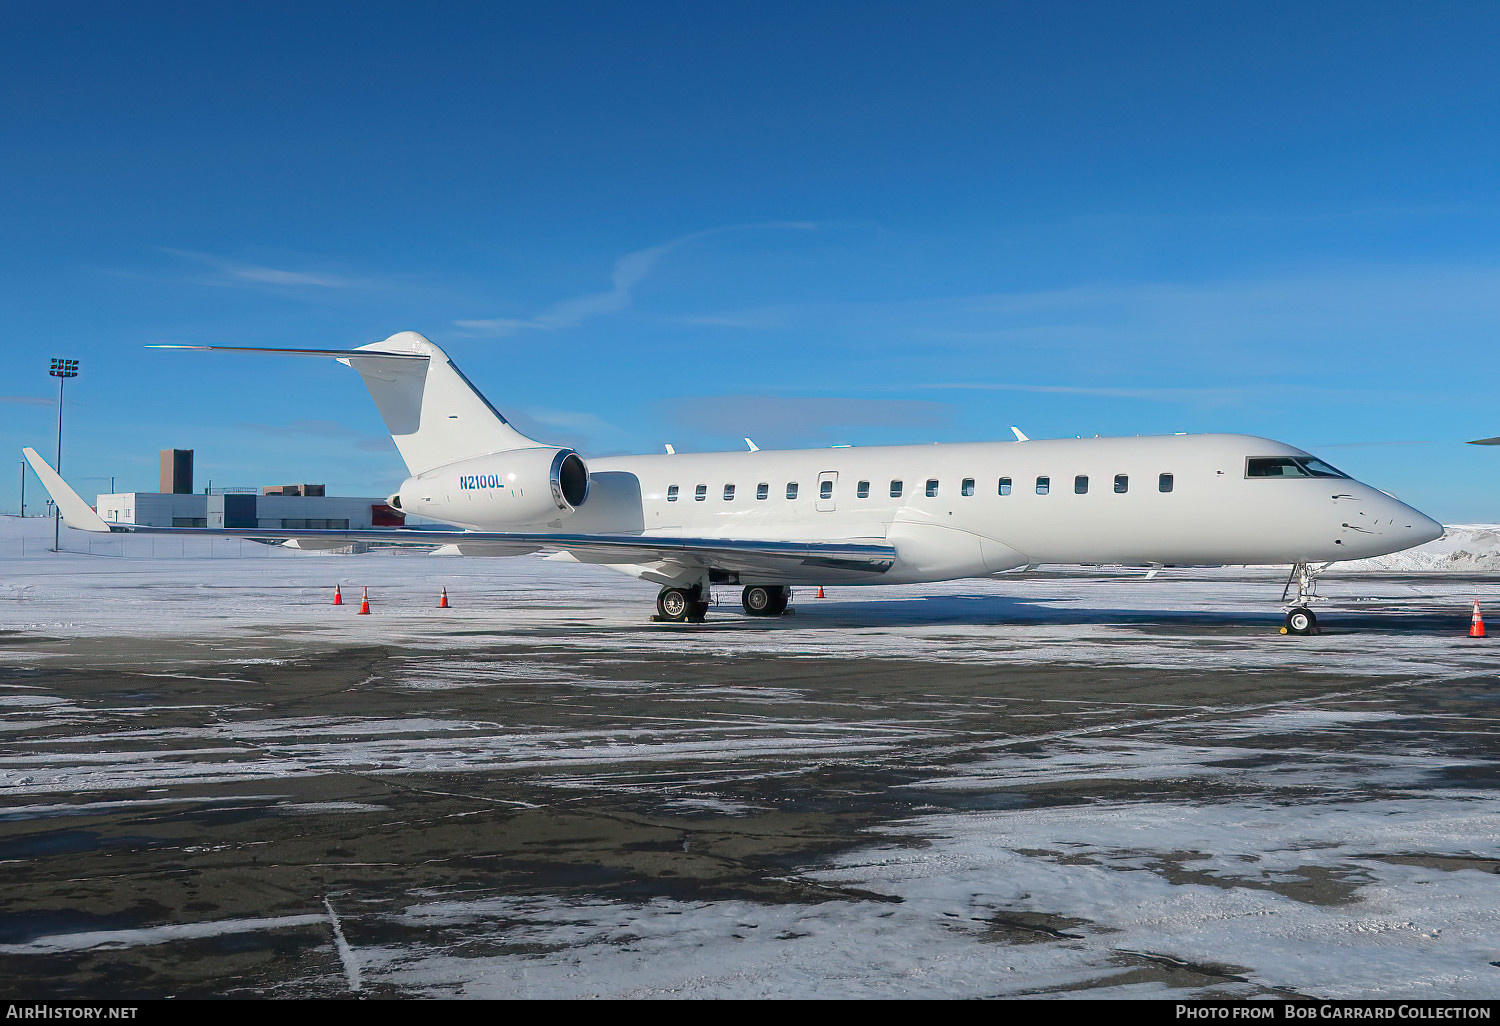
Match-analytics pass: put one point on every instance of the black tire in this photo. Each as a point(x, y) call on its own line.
point(757, 600)
point(675, 604)
point(1300, 620)
point(765, 599)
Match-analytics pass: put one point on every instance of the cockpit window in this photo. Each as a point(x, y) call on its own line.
point(1317, 468)
point(1289, 466)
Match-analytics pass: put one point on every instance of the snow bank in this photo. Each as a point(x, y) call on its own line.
point(1470, 548)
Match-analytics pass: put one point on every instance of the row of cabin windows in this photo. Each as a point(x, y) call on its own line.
point(862, 490)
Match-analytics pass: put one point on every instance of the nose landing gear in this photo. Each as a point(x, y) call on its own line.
point(1299, 618)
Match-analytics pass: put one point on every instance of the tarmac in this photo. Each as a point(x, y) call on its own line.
point(217, 784)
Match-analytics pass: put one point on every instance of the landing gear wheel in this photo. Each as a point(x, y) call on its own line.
point(1300, 620)
point(765, 600)
point(674, 604)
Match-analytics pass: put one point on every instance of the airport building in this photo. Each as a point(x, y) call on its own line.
point(277, 507)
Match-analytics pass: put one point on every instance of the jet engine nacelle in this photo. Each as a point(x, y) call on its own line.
point(512, 489)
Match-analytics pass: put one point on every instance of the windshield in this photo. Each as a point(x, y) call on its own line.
point(1289, 466)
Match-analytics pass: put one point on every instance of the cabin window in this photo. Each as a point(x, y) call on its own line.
point(1164, 483)
point(672, 493)
point(1005, 486)
point(825, 489)
point(791, 489)
point(762, 490)
point(863, 491)
point(1043, 485)
point(1081, 484)
point(968, 486)
point(1122, 484)
point(701, 493)
point(729, 493)
point(932, 487)
point(895, 489)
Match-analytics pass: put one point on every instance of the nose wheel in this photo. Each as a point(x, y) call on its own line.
point(1300, 620)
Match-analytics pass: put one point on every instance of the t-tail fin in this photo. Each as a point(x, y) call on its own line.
point(435, 415)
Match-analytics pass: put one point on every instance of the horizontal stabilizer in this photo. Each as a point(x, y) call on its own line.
point(336, 354)
point(435, 415)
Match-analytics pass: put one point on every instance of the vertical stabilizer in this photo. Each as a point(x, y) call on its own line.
point(434, 414)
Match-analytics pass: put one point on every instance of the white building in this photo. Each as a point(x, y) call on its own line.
point(275, 512)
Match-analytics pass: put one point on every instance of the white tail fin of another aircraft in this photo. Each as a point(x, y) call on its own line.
point(79, 514)
point(435, 415)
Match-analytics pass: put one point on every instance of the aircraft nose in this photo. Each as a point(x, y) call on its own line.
point(1411, 527)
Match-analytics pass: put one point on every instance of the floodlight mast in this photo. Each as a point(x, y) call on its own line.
point(62, 370)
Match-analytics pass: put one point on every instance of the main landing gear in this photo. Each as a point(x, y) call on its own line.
point(765, 599)
point(681, 605)
point(1299, 618)
point(690, 605)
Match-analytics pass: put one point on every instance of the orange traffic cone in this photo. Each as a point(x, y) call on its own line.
point(338, 596)
point(443, 599)
point(1476, 625)
point(364, 602)
point(820, 591)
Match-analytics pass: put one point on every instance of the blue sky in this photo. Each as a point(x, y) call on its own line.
point(809, 223)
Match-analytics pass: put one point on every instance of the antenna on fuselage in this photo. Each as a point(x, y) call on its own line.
point(1019, 437)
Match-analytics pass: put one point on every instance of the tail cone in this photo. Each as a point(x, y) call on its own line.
point(338, 596)
point(364, 602)
point(1476, 624)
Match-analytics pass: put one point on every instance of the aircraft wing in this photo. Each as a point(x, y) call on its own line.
point(874, 556)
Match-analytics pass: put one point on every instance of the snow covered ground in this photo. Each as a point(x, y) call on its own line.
point(1082, 783)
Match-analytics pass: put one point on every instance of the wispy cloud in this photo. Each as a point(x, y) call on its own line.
point(629, 272)
point(27, 400)
point(234, 273)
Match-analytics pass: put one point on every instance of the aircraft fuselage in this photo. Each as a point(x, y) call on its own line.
point(973, 509)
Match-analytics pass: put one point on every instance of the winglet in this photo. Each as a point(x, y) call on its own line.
point(1019, 437)
point(752, 445)
point(79, 514)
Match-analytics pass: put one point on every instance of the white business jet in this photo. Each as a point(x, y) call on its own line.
point(769, 520)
